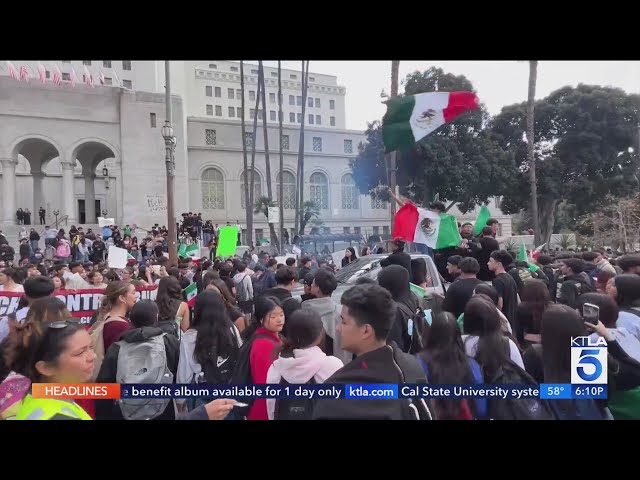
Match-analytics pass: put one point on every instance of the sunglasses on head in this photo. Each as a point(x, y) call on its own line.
point(62, 324)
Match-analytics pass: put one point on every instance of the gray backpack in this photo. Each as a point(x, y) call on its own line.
point(144, 362)
point(242, 294)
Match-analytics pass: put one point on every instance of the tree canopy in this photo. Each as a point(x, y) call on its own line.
point(585, 147)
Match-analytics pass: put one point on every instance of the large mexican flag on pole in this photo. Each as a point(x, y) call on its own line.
point(415, 224)
point(411, 118)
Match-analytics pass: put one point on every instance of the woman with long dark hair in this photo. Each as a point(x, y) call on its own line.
point(236, 315)
point(301, 360)
point(349, 256)
point(445, 362)
point(484, 339)
point(174, 312)
point(209, 349)
point(535, 300)
point(264, 335)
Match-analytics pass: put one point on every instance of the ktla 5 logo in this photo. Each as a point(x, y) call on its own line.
point(588, 360)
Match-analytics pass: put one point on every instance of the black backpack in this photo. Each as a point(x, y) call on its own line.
point(216, 372)
point(242, 371)
point(415, 328)
point(516, 408)
point(294, 408)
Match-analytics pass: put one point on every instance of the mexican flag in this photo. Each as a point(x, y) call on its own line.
point(190, 293)
point(411, 118)
point(131, 258)
point(415, 224)
point(185, 250)
point(522, 257)
point(481, 221)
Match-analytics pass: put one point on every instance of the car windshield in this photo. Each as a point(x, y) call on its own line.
point(355, 270)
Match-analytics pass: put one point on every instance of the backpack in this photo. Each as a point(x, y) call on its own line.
point(242, 294)
point(583, 409)
point(97, 342)
point(259, 286)
point(143, 362)
point(294, 408)
point(170, 327)
point(513, 408)
point(415, 328)
point(242, 370)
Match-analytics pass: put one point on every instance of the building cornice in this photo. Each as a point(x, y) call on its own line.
point(252, 79)
point(293, 153)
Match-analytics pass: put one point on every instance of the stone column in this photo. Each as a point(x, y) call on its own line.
point(90, 198)
point(68, 197)
point(9, 190)
point(38, 196)
point(119, 194)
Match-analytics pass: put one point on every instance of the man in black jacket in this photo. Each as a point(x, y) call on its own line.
point(575, 282)
point(489, 245)
point(368, 312)
point(286, 280)
point(398, 256)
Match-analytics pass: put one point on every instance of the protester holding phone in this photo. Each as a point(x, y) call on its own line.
point(600, 307)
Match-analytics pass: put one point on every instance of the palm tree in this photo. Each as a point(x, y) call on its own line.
point(533, 74)
point(262, 206)
point(274, 235)
point(249, 215)
point(281, 186)
point(309, 210)
point(249, 201)
point(300, 170)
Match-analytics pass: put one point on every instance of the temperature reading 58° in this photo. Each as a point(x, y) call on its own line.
point(556, 391)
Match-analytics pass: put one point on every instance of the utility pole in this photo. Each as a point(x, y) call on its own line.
point(170, 145)
point(395, 66)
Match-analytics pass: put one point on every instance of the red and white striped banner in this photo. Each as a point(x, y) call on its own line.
point(24, 73)
point(13, 71)
point(57, 75)
point(42, 73)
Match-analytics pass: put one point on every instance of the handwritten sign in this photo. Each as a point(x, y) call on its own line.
point(156, 203)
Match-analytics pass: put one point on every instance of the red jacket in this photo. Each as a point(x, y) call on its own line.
point(262, 355)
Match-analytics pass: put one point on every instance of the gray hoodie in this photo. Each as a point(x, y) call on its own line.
point(330, 314)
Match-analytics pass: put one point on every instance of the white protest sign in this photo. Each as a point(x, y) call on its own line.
point(117, 257)
point(283, 259)
point(274, 215)
point(105, 222)
point(296, 250)
point(337, 257)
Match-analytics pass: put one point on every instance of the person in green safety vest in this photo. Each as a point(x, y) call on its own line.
point(63, 354)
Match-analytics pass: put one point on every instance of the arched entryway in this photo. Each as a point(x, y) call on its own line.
point(91, 154)
point(38, 151)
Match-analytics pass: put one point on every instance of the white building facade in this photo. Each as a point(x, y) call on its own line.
point(56, 141)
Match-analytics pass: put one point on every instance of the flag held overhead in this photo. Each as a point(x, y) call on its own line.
point(411, 118)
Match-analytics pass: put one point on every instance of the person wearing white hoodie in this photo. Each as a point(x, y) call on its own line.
point(323, 286)
point(300, 358)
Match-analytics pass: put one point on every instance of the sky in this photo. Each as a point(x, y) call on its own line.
point(498, 83)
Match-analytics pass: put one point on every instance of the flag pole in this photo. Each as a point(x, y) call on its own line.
point(395, 64)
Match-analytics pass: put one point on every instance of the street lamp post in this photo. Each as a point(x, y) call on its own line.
point(104, 212)
point(170, 145)
point(55, 214)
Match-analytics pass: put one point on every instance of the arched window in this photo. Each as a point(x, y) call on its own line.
point(257, 187)
point(349, 193)
point(288, 190)
point(212, 189)
point(320, 190)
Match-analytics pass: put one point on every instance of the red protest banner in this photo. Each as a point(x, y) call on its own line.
point(82, 304)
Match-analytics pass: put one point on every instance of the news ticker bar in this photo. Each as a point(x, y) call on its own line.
point(105, 391)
